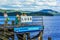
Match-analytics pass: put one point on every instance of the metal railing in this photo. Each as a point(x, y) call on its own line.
point(36, 20)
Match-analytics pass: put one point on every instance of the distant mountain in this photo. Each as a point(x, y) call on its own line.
point(9, 11)
point(1, 10)
point(44, 12)
point(50, 11)
point(12, 12)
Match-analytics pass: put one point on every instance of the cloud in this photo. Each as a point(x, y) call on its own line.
point(28, 5)
point(2, 2)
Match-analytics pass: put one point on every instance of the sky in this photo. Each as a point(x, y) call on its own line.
point(30, 5)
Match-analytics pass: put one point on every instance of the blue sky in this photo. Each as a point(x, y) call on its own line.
point(30, 5)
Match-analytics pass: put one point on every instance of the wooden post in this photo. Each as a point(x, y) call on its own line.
point(28, 36)
point(49, 38)
point(40, 36)
point(24, 36)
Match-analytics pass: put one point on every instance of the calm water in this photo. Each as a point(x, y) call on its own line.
point(51, 27)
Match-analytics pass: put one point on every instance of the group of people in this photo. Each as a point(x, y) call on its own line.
point(17, 20)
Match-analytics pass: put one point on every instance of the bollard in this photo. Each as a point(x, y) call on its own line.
point(13, 23)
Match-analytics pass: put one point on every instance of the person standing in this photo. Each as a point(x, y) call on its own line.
point(6, 18)
point(17, 19)
point(24, 14)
